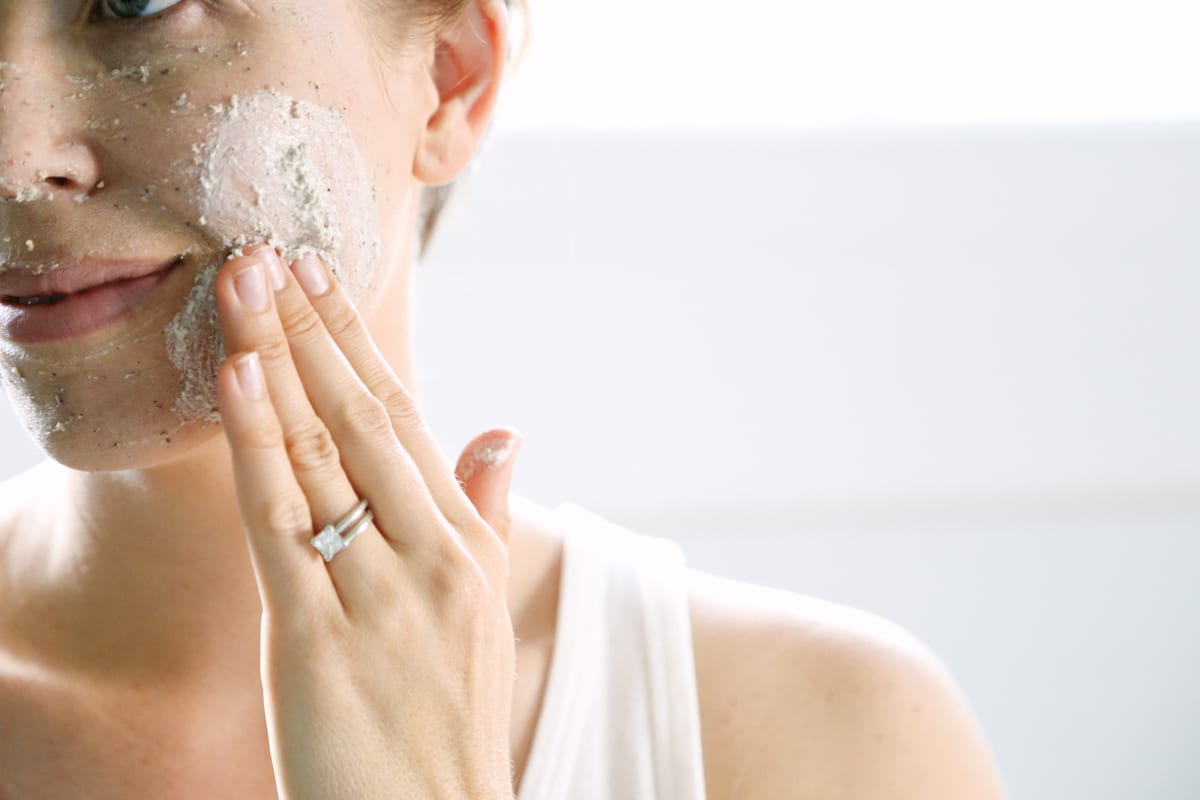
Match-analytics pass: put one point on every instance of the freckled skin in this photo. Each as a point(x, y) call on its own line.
point(129, 580)
point(131, 105)
point(281, 170)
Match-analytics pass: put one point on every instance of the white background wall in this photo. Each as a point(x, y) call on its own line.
point(889, 303)
point(945, 374)
point(687, 64)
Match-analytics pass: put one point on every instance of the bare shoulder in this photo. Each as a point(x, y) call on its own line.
point(23, 489)
point(803, 698)
point(24, 492)
point(28, 501)
point(11, 490)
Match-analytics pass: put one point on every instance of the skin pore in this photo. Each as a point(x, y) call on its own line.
point(125, 563)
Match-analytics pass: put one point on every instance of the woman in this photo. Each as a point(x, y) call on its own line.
point(175, 169)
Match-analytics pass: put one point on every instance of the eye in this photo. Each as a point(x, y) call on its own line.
point(133, 9)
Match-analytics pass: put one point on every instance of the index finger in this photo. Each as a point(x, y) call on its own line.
point(349, 332)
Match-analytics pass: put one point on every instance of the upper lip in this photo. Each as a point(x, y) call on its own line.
point(70, 276)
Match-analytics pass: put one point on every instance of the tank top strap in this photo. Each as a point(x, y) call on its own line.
point(620, 716)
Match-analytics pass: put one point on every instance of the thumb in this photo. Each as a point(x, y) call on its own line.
point(485, 471)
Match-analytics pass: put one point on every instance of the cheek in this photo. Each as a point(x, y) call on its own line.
point(288, 171)
point(187, 162)
point(231, 164)
point(257, 167)
point(282, 170)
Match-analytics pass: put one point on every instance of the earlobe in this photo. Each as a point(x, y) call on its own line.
point(467, 69)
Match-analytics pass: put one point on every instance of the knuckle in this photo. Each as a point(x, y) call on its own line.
point(301, 324)
point(313, 630)
point(465, 584)
point(311, 448)
point(400, 405)
point(471, 593)
point(341, 319)
point(285, 516)
point(366, 415)
point(264, 436)
point(493, 558)
point(274, 350)
point(492, 542)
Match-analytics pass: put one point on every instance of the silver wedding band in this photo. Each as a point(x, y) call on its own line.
point(330, 541)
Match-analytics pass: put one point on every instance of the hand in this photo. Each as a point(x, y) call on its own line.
point(388, 671)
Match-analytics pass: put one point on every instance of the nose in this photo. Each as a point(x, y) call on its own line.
point(43, 144)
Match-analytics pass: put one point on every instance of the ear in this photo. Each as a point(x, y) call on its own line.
point(467, 69)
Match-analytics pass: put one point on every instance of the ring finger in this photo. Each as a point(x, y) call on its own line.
point(246, 308)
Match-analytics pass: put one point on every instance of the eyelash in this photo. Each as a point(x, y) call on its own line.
point(96, 15)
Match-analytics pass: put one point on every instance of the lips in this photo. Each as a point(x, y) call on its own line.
point(22, 286)
point(80, 298)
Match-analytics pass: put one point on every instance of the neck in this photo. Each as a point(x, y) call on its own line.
point(143, 577)
point(160, 579)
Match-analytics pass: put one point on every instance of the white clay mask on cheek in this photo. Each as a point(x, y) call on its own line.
point(281, 170)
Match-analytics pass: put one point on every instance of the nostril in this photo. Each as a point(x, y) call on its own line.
point(59, 181)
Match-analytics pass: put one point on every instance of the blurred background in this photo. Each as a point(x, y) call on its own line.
point(892, 304)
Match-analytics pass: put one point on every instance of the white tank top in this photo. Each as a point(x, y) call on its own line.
point(620, 717)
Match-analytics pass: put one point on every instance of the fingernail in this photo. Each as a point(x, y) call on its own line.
point(251, 288)
point(311, 274)
point(249, 376)
point(267, 255)
point(491, 454)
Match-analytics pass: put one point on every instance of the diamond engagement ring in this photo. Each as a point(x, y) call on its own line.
point(330, 541)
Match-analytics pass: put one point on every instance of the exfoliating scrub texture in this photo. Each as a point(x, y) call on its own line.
point(284, 171)
point(208, 179)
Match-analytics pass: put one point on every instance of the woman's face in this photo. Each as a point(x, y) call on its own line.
point(153, 137)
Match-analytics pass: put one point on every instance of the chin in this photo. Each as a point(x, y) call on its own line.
point(96, 452)
point(137, 394)
point(114, 418)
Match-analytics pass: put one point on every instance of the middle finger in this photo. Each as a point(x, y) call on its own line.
point(375, 459)
point(246, 309)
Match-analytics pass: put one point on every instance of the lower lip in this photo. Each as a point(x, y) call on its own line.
point(79, 314)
